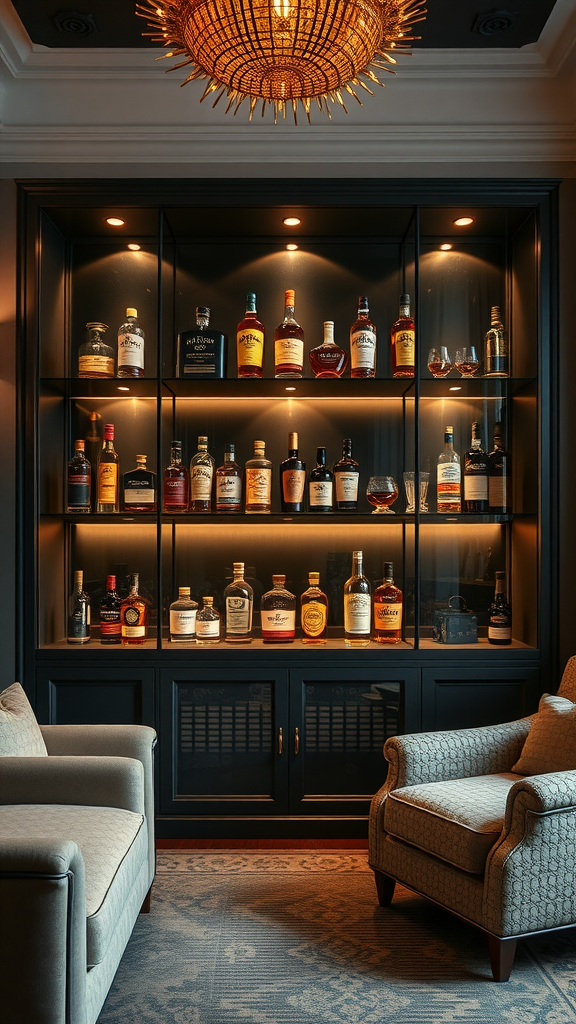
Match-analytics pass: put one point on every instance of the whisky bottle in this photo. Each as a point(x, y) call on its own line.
point(78, 497)
point(499, 476)
point(314, 612)
point(357, 604)
point(140, 488)
point(96, 356)
point(363, 342)
point(403, 341)
point(108, 485)
point(110, 628)
point(448, 476)
point(258, 481)
point(346, 477)
point(475, 475)
point(500, 614)
point(387, 609)
point(328, 359)
point(229, 483)
point(278, 613)
point(93, 445)
point(78, 630)
point(182, 614)
point(288, 342)
point(292, 478)
point(321, 485)
point(496, 363)
point(176, 482)
point(250, 341)
point(208, 623)
point(133, 615)
point(201, 478)
point(130, 346)
point(203, 351)
point(238, 602)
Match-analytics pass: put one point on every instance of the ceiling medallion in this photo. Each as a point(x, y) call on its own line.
point(284, 53)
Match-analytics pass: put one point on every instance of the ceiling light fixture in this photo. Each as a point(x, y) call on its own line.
point(291, 247)
point(133, 246)
point(291, 222)
point(283, 52)
point(115, 222)
point(446, 246)
point(463, 222)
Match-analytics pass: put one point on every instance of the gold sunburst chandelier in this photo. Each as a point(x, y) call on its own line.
point(284, 53)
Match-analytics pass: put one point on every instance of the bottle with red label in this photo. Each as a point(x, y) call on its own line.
point(110, 629)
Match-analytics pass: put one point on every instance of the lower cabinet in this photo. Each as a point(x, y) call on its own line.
point(103, 694)
point(463, 698)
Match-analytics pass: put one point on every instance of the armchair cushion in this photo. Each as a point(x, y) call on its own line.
point(19, 731)
point(551, 743)
point(458, 821)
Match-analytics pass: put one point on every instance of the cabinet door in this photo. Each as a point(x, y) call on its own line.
point(108, 695)
point(465, 697)
point(339, 722)
point(222, 749)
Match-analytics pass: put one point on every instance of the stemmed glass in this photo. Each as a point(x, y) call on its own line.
point(382, 491)
point(466, 360)
point(439, 361)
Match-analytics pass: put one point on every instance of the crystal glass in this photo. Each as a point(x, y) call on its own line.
point(424, 481)
point(410, 488)
point(439, 361)
point(381, 492)
point(466, 360)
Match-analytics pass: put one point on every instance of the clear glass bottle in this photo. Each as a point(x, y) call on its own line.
point(499, 476)
point(133, 615)
point(357, 605)
point(387, 609)
point(108, 484)
point(258, 481)
point(208, 623)
point(278, 613)
point(321, 485)
point(363, 342)
point(96, 356)
point(314, 612)
point(176, 491)
point(496, 361)
point(78, 493)
point(78, 621)
point(448, 476)
point(201, 478)
point(288, 342)
point(238, 602)
point(403, 341)
point(346, 477)
point(182, 616)
point(110, 628)
point(229, 483)
point(292, 478)
point(500, 614)
point(328, 359)
point(250, 341)
point(203, 351)
point(475, 475)
point(140, 488)
point(130, 346)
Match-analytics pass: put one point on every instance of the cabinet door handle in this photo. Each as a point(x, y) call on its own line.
point(296, 740)
point(280, 741)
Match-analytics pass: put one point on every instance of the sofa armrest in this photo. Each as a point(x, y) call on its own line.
point(93, 781)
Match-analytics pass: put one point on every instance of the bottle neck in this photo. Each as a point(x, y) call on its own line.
point(134, 584)
point(288, 314)
point(176, 456)
point(448, 442)
point(229, 455)
point(328, 333)
point(321, 457)
point(357, 563)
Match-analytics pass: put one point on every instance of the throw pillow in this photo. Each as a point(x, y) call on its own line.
point(551, 743)
point(19, 731)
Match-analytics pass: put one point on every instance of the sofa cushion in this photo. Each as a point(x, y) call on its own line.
point(113, 843)
point(19, 731)
point(458, 821)
point(551, 743)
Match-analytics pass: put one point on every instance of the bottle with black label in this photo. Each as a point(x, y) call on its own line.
point(292, 478)
point(500, 614)
point(203, 351)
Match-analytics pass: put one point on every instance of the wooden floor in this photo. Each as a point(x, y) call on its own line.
point(261, 844)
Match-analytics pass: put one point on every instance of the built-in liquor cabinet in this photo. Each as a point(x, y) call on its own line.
point(286, 739)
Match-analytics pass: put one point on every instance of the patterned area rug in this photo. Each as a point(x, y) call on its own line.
point(298, 938)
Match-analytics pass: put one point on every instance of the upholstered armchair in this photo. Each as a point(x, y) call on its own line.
point(483, 822)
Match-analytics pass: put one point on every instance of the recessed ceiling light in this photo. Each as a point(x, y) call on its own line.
point(133, 246)
point(445, 247)
point(290, 389)
point(123, 388)
point(115, 222)
point(291, 247)
point(291, 222)
point(463, 222)
point(458, 388)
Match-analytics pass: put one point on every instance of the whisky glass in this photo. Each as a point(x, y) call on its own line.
point(439, 361)
point(381, 492)
point(410, 488)
point(466, 360)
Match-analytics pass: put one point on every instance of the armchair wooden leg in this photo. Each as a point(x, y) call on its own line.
point(384, 887)
point(145, 908)
point(502, 952)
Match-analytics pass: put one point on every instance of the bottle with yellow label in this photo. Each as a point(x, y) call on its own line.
point(403, 341)
point(250, 341)
point(108, 480)
point(387, 609)
point(314, 612)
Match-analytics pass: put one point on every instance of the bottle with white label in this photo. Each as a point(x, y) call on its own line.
point(130, 346)
point(288, 342)
point(346, 477)
point(448, 476)
point(183, 618)
point(278, 613)
point(363, 342)
point(357, 605)
point(387, 608)
point(475, 474)
point(229, 483)
point(321, 485)
point(201, 477)
point(238, 602)
point(208, 623)
point(500, 614)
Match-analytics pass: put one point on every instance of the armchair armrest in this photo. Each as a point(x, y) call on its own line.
point(93, 781)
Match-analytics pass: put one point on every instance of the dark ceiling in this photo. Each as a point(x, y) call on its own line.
point(449, 23)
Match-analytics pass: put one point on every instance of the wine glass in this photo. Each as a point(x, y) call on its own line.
point(382, 491)
point(439, 361)
point(466, 360)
